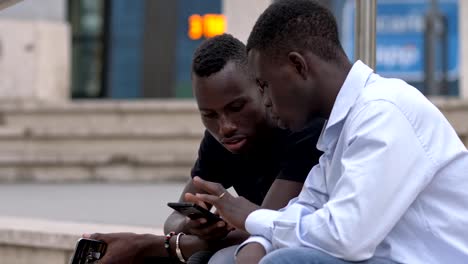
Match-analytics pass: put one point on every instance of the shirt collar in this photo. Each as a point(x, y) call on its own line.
point(349, 92)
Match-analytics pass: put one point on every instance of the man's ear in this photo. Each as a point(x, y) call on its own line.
point(299, 63)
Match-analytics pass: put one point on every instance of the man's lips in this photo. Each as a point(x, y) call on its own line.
point(234, 143)
point(232, 140)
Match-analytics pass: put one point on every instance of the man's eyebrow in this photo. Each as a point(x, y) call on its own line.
point(205, 109)
point(238, 99)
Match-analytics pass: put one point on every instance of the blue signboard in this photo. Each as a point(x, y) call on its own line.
point(400, 36)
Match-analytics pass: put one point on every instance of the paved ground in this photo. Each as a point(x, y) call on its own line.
point(129, 204)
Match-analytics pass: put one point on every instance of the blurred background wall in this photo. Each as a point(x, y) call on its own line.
point(142, 49)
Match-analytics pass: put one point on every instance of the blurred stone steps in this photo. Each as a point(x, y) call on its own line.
point(181, 114)
point(98, 141)
point(456, 111)
point(45, 141)
point(97, 168)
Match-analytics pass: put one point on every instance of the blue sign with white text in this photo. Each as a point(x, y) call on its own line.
point(400, 36)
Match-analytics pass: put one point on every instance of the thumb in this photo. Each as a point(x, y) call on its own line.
point(95, 236)
point(208, 198)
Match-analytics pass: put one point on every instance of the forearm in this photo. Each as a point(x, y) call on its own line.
point(189, 243)
point(251, 253)
point(194, 244)
point(235, 237)
point(153, 246)
point(280, 193)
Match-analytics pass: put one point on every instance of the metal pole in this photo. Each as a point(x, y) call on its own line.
point(365, 29)
point(435, 52)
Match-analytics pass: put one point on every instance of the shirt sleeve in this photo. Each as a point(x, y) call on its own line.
point(301, 152)
point(266, 244)
point(382, 169)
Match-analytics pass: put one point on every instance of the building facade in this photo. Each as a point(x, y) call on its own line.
point(142, 49)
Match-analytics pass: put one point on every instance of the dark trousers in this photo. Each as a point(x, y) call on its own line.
point(201, 257)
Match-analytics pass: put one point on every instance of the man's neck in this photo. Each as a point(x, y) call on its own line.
point(333, 81)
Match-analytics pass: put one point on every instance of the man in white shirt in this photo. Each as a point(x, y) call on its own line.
point(392, 184)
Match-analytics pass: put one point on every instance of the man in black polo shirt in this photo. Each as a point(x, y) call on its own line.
point(242, 148)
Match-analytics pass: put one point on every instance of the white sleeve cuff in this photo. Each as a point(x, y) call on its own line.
point(256, 239)
point(260, 222)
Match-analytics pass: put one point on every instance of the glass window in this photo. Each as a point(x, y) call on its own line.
point(87, 27)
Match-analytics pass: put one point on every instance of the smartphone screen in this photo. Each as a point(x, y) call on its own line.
point(88, 251)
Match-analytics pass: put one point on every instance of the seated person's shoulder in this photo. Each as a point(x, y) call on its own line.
point(300, 152)
point(308, 135)
point(305, 140)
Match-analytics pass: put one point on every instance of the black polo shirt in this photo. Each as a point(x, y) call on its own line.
point(290, 156)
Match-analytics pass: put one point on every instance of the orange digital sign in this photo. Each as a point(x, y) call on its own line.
point(208, 26)
point(195, 29)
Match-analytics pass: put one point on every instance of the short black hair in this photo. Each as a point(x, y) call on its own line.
point(296, 24)
point(214, 53)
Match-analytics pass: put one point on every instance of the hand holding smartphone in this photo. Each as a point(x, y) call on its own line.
point(88, 251)
point(194, 211)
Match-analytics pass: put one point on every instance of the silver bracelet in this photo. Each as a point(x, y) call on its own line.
point(178, 251)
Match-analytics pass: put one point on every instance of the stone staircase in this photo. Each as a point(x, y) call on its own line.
point(106, 141)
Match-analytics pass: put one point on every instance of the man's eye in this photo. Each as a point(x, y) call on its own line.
point(209, 115)
point(237, 107)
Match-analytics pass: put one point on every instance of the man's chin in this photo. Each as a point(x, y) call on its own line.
point(281, 124)
point(238, 148)
point(243, 150)
point(296, 126)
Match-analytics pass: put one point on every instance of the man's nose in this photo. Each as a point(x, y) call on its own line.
point(267, 100)
point(227, 127)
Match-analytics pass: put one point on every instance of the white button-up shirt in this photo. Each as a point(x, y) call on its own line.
point(392, 182)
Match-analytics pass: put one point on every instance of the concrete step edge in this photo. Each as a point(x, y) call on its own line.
point(97, 107)
point(7, 132)
point(96, 160)
point(52, 234)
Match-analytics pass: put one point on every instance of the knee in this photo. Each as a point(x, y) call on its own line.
point(200, 257)
point(297, 255)
point(278, 256)
point(224, 256)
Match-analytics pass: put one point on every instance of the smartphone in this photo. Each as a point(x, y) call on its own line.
point(88, 251)
point(194, 211)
